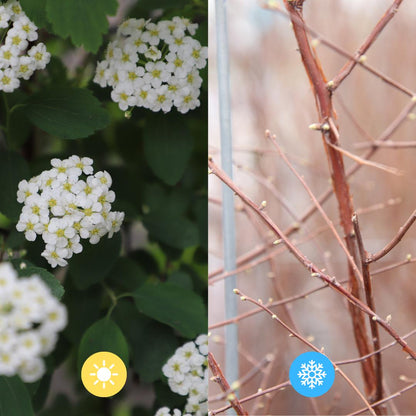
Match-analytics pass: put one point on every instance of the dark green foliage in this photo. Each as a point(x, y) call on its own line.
point(142, 293)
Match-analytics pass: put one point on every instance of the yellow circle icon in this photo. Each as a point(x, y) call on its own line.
point(104, 374)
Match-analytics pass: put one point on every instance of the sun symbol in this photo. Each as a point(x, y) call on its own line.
point(105, 379)
point(104, 374)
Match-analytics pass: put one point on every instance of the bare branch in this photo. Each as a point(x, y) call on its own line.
point(295, 334)
point(382, 23)
point(368, 288)
point(225, 387)
point(393, 243)
point(312, 268)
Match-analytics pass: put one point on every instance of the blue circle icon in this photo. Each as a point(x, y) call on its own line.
point(311, 374)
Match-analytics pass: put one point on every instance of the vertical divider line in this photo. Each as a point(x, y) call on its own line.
point(228, 213)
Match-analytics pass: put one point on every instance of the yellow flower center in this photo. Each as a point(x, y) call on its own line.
point(156, 73)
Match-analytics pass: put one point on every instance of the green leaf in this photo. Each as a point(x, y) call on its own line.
point(126, 274)
point(42, 392)
point(95, 261)
point(172, 305)
point(161, 4)
point(13, 168)
point(181, 278)
point(19, 127)
point(50, 280)
point(84, 21)
point(171, 229)
point(83, 309)
point(152, 347)
point(157, 198)
point(36, 11)
point(70, 113)
point(103, 335)
point(14, 397)
point(168, 146)
point(200, 210)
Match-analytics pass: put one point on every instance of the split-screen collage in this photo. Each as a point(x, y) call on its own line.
point(206, 207)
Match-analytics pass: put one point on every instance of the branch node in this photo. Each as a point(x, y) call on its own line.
point(320, 126)
point(362, 59)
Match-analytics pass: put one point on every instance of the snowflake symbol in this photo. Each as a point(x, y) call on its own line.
point(311, 374)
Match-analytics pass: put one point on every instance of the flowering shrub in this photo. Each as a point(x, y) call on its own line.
point(64, 208)
point(154, 65)
point(30, 319)
point(19, 58)
point(187, 375)
point(141, 293)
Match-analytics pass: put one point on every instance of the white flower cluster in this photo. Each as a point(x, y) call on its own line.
point(165, 411)
point(154, 65)
point(30, 319)
point(18, 59)
point(187, 375)
point(64, 208)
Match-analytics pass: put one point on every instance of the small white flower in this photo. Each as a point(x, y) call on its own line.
point(25, 67)
point(17, 39)
point(55, 255)
point(164, 411)
point(30, 318)
point(25, 25)
point(9, 57)
point(4, 17)
point(123, 95)
point(176, 368)
point(15, 10)
point(25, 190)
point(29, 224)
point(32, 370)
point(40, 55)
point(202, 342)
point(8, 80)
point(28, 344)
point(100, 74)
point(114, 222)
point(9, 362)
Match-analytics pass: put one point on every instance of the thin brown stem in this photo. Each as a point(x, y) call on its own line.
point(317, 204)
point(225, 387)
point(386, 399)
point(378, 28)
point(410, 144)
point(369, 294)
point(394, 265)
point(393, 243)
point(385, 347)
point(260, 393)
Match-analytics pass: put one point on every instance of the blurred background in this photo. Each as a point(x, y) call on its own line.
point(270, 90)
